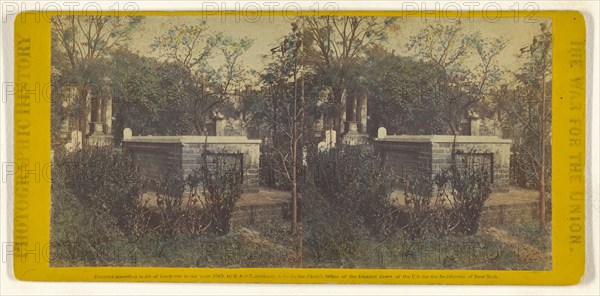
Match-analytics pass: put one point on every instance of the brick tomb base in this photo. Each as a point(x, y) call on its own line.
point(155, 156)
point(408, 154)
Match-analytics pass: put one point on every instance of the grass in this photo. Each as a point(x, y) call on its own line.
point(530, 233)
point(76, 242)
point(273, 248)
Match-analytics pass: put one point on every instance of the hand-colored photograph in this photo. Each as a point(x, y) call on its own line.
point(367, 142)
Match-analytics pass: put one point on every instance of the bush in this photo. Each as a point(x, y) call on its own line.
point(354, 178)
point(332, 232)
point(418, 200)
point(202, 202)
point(221, 187)
point(269, 165)
point(105, 183)
point(345, 198)
point(94, 198)
point(99, 218)
point(455, 206)
point(178, 215)
point(78, 234)
point(469, 186)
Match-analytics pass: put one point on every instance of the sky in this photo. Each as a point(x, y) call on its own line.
point(268, 31)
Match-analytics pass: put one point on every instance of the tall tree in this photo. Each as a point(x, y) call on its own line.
point(148, 103)
point(285, 75)
point(401, 95)
point(82, 43)
point(193, 48)
point(530, 108)
point(333, 46)
point(468, 62)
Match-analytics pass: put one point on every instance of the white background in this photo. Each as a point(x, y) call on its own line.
point(590, 284)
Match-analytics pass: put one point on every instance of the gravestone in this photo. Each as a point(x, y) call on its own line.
point(127, 134)
point(322, 146)
point(68, 147)
point(381, 133)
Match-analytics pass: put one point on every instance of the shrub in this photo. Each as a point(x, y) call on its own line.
point(85, 221)
point(418, 200)
point(269, 166)
point(77, 235)
point(332, 232)
point(345, 198)
point(221, 187)
point(105, 183)
point(178, 215)
point(455, 207)
point(202, 202)
point(469, 186)
point(354, 178)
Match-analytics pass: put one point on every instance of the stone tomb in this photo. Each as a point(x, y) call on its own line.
point(408, 153)
point(156, 155)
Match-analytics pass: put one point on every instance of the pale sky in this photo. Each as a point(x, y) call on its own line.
point(268, 31)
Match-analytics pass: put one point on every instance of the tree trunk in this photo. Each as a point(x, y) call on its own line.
point(294, 181)
point(294, 199)
point(294, 150)
point(198, 124)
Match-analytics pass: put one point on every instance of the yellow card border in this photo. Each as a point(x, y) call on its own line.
point(32, 190)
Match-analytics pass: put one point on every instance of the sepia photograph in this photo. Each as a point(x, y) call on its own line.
point(346, 141)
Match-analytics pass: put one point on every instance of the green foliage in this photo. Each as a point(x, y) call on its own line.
point(333, 232)
point(403, 95)
point(81, 51)
point(468, 63)
point(201, 203)
point(78, 234)
point(105, 182)
point(527, 109)
point(450, 202)
point(98, 216)
point(353, 177)
point(270, 170)
point(530, 233)
point(334, 49)
point(421, 204)
point(95, 205)
point(221, 187)
point(150, 103)
point(179, 215)
point(469, 184)
point(193, 49)
point(347, 197)
point(85, 39)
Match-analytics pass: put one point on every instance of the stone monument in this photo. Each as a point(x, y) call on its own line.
point(100, 116)
point(352, 136)
point(218, 124)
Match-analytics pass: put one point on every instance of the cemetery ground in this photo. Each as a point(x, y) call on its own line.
point(260, 237)
point(209, 115)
